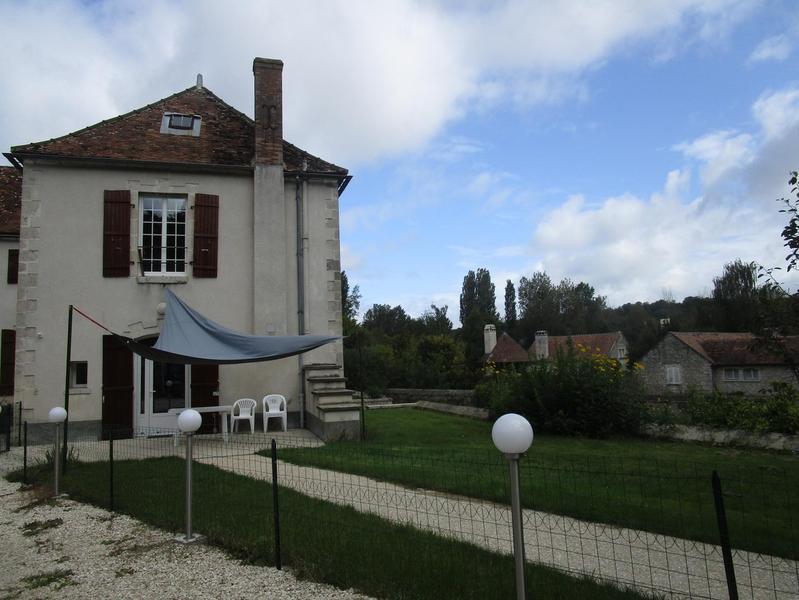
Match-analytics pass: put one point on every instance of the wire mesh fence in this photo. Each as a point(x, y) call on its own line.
point(645, 526)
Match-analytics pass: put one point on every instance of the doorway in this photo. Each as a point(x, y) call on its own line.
point(160, 387)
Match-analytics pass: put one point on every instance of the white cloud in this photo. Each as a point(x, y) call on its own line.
point(362, 80)
point(777, 48)
point(777, 112)
point(720, 152)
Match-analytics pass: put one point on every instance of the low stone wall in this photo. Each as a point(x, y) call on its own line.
point(686, 433)
point(454, 397)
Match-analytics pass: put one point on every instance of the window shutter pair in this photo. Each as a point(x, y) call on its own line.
point(116, 234)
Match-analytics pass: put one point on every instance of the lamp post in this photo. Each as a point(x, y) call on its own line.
point(57, 415)
point(189, 421)
point(512, 435)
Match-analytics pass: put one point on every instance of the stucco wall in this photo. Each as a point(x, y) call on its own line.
point(61, 264)
point(696, 371)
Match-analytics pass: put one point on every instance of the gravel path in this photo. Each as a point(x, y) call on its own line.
point(63, 549)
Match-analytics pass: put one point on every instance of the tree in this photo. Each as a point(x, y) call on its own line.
point(434, 321)
point(510, 305)
point(387, 320)
point(736, 296)
point(486, 298)
point(350, 303)
point(791, 231)
point(468, 295)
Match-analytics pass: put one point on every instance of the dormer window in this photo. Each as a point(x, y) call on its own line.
point(181, 124)
point(181, 121)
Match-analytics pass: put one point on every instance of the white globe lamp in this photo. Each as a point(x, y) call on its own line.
point(57, 415)
point(189, 421)
point(512, 434)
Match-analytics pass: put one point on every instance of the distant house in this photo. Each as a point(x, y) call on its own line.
point(504, 351)
point(726, 362)
point(613, 344)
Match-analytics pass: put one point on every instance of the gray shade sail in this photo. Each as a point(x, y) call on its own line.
point(189, 338)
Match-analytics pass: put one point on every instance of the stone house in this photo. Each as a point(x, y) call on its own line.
point(612, 344)
point(708, 361)
point(186, 193)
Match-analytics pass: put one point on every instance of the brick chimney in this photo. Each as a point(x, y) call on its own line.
point(268, 111)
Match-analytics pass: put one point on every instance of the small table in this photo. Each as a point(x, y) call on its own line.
point(223, 411)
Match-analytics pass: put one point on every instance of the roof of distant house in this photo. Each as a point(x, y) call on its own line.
point(10, 200)
point(507, 350)
point(227, 138)
point(722, 349)
point(597, 343)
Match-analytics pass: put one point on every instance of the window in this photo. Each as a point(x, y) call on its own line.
point(673, 374)
point(162, 235)
point(13, 265)
point(181, 121)
point(741, 374)
point(181, 124)
point(7, 350)
point(621, 353)
point(78, 374)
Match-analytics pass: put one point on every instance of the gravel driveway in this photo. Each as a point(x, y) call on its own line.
point(63, 549)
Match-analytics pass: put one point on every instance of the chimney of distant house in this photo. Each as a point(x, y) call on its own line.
point(268, 111)
point(199, 84)
point(489, 338)
point(541, 345)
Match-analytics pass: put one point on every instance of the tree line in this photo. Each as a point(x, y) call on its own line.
point(389, 348)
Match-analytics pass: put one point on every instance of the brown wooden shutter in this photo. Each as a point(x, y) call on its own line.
point(13, 265)
point(8, 348)
point(206, 234)
point(116, 233)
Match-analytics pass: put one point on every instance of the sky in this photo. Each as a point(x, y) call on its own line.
point(636, 145)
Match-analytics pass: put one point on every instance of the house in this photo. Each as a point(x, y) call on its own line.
point(10, 194)
point(612, 345)
point(725, 362)
point(186, 193)
point(504, 351)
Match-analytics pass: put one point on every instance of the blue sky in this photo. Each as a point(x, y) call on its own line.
point(637, 146)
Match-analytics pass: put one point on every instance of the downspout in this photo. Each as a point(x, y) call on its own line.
point(300, 290)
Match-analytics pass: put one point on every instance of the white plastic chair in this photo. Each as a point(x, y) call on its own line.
point(274, 407)
point(246, 408)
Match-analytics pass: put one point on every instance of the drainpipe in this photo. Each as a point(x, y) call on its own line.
point(300, 289)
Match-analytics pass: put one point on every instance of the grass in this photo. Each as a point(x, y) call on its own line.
point(321, 541)
point(657, 486)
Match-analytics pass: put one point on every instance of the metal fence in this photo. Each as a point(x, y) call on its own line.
point(653, 527)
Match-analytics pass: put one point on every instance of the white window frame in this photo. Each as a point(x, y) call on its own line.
point(673, 374)
point(740, 374)
point(73, 374)
point(621, 353)
point(161, 203)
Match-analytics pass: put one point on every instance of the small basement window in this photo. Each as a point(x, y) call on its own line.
point(78, 374)
point(181, 124)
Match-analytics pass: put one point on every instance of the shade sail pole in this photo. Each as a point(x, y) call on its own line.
point(66, 391)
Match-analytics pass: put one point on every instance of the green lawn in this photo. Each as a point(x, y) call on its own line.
point(657, 486)
point(321, 541)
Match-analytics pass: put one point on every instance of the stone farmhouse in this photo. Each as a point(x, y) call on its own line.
point(506, 350)
point(188, 194)
point(724, 362)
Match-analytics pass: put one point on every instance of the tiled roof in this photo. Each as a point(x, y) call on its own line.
point(10, 199)
point(720, 348)
point(226, 137)
point(507, 350)
point(597, 343)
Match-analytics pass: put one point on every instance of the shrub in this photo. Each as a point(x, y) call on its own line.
point(774, 409)
point(578, 393)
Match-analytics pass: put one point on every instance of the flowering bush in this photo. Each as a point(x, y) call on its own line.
point(580, 392)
